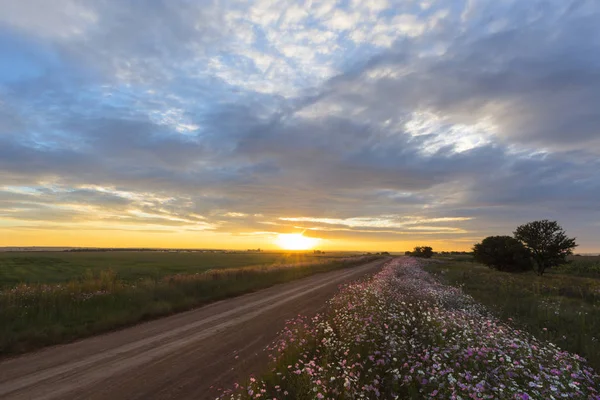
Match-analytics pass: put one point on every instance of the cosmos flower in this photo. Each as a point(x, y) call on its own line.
point(403, 334)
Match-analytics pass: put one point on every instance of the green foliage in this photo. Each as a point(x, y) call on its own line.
point(547, 242)
point(422, 252)
point(563, 309)
point(503, 253)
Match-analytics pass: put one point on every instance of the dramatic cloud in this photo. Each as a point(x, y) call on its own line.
point(374, 121)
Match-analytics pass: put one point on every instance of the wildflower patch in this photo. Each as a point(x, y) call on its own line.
point(405, 335)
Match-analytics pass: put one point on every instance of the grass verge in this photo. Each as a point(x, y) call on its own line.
point(561, 308)
point(36, 315)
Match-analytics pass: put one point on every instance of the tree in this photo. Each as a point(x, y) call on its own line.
point(547, 242)
point(423, 252)
point(503, 253)
point(407, 253)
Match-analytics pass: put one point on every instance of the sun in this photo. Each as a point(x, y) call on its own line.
point(296, 241)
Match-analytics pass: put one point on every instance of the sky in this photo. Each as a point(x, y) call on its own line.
point(368, 124)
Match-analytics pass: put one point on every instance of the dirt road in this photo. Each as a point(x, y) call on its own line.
point(185, 356)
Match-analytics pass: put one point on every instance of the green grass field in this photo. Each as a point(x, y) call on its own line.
point(587, 266)
point(66, 296)
point(581, 266)
point(56, 267)
point(561, 307)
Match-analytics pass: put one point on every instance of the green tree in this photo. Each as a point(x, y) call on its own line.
point(503, 253)
point(423, 252)
point(547, 242)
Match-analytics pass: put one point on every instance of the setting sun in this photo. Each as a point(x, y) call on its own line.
point(296, 241)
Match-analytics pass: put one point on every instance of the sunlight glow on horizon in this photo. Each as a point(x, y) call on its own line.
point(296, 241)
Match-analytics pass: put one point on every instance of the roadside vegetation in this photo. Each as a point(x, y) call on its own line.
point(39, 314)
point(562, 308)
point(404, 334)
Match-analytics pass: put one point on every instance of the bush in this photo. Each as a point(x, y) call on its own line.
point(422, 252)
point(503, 253)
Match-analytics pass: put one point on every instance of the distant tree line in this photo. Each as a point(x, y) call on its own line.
point(421, 252)
point(455, 253)
point(537, 245)
point(427, 252)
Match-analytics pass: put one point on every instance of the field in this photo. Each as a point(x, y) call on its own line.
point(578, 265)
point(56, 267)
point(581, 266)
point(406, 335)
point(82, 294)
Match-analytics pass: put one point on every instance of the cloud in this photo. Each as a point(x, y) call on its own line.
point(368, 120)
point(534, 84)
point(385, 221)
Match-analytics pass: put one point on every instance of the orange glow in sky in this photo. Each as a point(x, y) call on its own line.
point(296, 241)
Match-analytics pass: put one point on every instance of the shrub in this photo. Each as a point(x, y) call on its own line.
point(422, 252)
point(503, 253)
